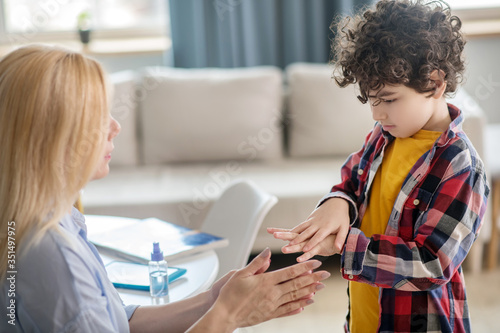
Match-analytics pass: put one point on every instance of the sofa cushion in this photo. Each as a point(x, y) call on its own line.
point(324, 119)
point(123, 109)
point(190, 115)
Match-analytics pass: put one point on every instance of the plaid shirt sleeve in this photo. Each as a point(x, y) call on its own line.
point(435, 220)
point(354, 173)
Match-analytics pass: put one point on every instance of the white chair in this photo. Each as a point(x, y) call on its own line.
point(237, 216)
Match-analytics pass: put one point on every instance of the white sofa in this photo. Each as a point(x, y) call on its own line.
point(187, 133)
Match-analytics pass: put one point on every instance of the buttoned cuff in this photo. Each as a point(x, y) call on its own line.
point(354, 253)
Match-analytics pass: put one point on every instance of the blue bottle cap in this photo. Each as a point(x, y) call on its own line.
point(157, 254)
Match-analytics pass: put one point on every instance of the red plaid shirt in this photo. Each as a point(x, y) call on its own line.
point(435, 219)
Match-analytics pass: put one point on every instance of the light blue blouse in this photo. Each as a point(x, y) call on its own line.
point(61, 285)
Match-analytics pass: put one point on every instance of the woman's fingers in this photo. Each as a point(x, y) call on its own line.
point(311, 280)
point(297, 311)
point(293, 289)
point(258, 264)
point(308, 297)
point(292, 308)
point(298, 293)
point(254, 298)
point(264, 268)
point(306, 273)
point(291, 293)
point(292, 272)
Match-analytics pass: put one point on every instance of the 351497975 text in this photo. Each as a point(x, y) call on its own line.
point(11, 272)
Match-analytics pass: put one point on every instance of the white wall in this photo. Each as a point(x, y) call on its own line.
point(483, 74)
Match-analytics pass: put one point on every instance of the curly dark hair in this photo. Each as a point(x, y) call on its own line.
point(399, 42)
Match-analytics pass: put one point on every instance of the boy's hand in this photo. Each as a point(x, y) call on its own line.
point(323, 233)
point(325, 248)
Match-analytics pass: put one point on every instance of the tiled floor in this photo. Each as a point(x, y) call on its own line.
point(327, 314)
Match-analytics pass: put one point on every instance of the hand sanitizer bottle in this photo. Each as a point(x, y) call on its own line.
point(158, 278)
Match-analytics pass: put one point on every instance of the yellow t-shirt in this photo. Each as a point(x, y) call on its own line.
point(398, 160)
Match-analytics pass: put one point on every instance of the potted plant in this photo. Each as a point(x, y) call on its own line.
point(84, 27)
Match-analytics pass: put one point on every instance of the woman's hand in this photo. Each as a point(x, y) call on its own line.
point(324, 232)
point(216, 287)
point(250, 296)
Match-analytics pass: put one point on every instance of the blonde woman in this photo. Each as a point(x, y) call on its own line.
point(56, 134)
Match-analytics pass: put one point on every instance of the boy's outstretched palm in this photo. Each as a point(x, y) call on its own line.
point(323, 233)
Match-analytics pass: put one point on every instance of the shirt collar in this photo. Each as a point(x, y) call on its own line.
point(74, 222)
point(455, 126)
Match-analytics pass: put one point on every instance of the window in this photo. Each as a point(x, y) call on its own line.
point(477, 10)
point(468, 4)
point(38, 19)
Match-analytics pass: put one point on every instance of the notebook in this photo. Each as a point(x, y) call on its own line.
point(136, 276)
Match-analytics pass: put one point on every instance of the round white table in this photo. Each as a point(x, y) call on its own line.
point(201, 268)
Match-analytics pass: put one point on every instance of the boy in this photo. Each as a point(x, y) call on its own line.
point(411, 201)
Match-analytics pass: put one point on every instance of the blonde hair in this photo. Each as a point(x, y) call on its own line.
point(53, 123)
